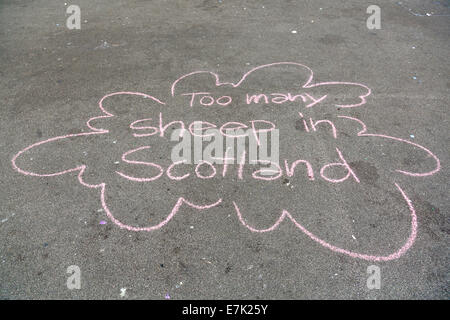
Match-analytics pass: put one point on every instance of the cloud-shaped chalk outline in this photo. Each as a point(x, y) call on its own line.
point(285, 214)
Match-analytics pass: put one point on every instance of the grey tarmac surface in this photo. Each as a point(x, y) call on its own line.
point(52, 78)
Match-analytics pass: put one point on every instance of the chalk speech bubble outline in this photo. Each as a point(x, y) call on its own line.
point(285, 214)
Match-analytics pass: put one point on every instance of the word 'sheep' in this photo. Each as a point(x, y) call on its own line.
point(216, 163)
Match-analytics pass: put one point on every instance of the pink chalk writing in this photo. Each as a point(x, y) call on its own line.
point(154, 129)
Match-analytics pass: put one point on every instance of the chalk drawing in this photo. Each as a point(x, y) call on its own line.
point(142, 128)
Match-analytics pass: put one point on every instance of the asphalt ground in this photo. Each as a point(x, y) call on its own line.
point(75, 199)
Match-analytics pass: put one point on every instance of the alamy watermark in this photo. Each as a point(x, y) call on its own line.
point(374, 279)
point(374, 20)
point(74, 280)
point(74, 19)
point(205, 146)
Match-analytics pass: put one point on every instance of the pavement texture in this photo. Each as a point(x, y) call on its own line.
point(386, 205)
